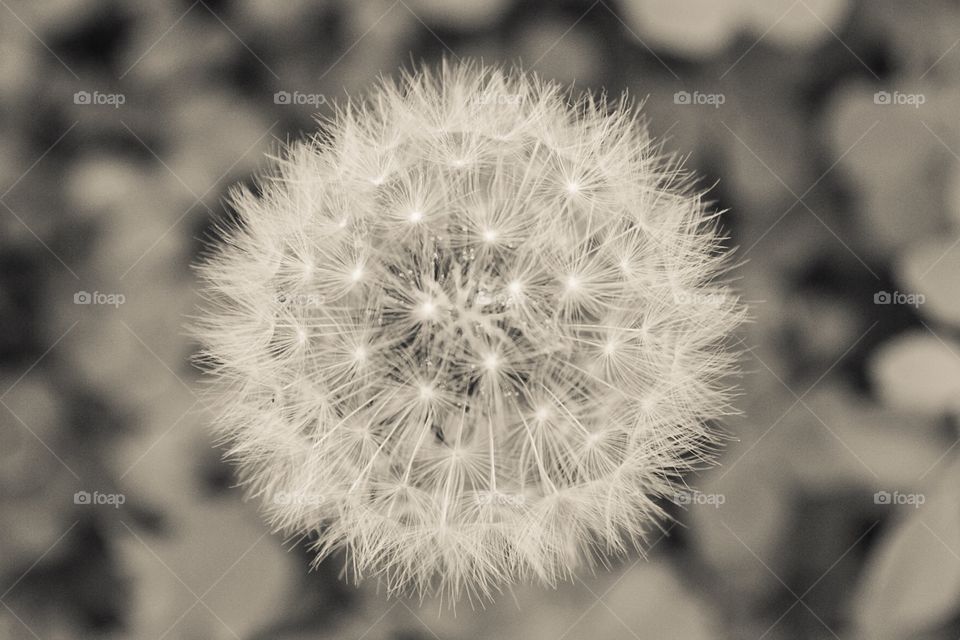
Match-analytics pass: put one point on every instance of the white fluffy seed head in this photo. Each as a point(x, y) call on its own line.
point(471, 333)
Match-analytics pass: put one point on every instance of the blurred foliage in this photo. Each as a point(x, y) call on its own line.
point(834, 511)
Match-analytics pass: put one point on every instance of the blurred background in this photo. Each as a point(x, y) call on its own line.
point(828, 129)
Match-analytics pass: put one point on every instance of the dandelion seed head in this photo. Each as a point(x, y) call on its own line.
point(610, 347)
point(428, 309)
point(496, 395)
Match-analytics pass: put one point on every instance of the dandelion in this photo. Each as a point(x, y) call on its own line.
point(517, 337)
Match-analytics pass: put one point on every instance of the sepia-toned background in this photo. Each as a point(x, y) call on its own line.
point(829, 130)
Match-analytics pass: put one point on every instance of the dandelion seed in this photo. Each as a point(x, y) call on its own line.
point(610, 347)
point(425, 391)
point(427, 310)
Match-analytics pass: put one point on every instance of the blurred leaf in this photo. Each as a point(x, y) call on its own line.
point(385, 27)
point(465, 15)
point(214, 136)
point(275, 20)
point(211, 546)
point(798, 24)
point(109, 185)
point(644, 600)
point(744, 527)
point(169, 49)
point(52, 16)
point(650, 601)
point(918, 371)
point(838, 441)
point(698, 28)
point(219, 552)
point(953, 197)
point(920, 33)
point(695, 28)
point(912, 581)
point(932, 268)
point(895, 160)
point(17, 59)
point(570, 55)
point(35, 487)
